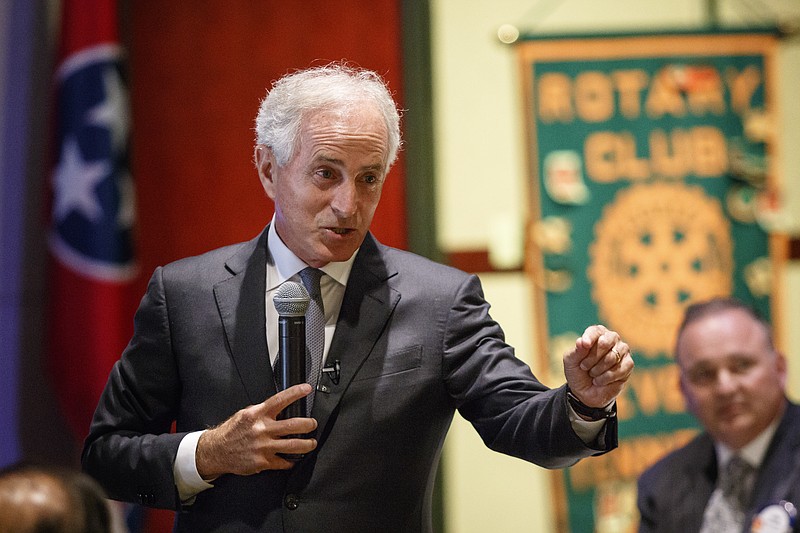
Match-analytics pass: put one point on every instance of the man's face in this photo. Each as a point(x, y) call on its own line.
point(732, 380)
point(326, 194)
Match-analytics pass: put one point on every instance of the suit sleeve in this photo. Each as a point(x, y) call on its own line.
point(130, 449)
point(512, 411)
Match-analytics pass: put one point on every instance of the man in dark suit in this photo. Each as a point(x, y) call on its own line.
point(734, 382)
point(407, 342)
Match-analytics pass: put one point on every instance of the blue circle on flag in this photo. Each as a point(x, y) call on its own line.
point(93, 200)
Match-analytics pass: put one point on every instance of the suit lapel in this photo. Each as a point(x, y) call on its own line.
point(705, 480)
point(368, 303)
point(694, 485)
point(240, 301)
point(781, 467)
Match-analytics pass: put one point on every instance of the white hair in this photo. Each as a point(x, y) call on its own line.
point(333, 86)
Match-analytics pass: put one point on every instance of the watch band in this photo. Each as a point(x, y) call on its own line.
point(593, 413)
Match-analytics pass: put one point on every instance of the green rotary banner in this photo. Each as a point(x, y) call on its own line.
point(652, 164)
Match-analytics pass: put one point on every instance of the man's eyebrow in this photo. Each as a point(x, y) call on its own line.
point(326, 159)
point(702, 365)
point(375, 167)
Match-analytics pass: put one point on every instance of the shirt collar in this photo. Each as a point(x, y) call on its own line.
point(286, 264)
point(753, 452)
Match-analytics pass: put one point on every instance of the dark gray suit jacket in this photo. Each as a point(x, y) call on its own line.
point(415, 342)
point(674, 492)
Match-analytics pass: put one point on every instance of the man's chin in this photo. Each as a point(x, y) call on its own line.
point(322, 259)
point(335, 253)
point(735, 427)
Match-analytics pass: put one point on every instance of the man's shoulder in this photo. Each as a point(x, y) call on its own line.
point(404, 260)
point(213, 262)
point(421, 270)
point(793, 414)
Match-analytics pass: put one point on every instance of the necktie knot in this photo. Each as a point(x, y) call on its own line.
point(734, 480)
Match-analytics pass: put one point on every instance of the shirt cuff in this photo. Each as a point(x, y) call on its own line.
point(586, 430)
point(187, 479)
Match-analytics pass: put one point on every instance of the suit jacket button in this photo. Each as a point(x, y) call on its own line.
point(291, 502)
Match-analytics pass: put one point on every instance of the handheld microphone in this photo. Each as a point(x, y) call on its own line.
point(291, 301)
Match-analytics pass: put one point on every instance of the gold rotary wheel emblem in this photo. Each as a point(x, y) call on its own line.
point(658, 247)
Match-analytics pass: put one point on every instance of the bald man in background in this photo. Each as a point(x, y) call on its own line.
point(734, 382)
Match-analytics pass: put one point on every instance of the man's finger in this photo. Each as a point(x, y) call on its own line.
point(603, 344)
point(296, 446)
point(277, 403)
point(295, 426)
point(591, 334)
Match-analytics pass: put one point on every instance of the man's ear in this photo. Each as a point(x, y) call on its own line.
point(686, 392)
point(265, 164)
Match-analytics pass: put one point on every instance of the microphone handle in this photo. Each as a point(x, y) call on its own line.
point(292, 354)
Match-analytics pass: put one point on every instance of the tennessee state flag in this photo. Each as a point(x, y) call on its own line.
point(92, 263)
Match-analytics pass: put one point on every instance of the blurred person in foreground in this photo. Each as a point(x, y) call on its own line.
point(743, 472)
point(407, 342)
point(36, 499)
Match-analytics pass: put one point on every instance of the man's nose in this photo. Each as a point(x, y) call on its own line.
point(726, 381)
point(345, 199)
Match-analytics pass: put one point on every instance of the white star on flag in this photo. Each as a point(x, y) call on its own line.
point(112, 112)
point(74, 181)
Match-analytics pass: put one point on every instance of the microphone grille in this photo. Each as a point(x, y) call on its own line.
point(291, 299)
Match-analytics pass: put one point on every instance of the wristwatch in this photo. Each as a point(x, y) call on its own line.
point(592, 413)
